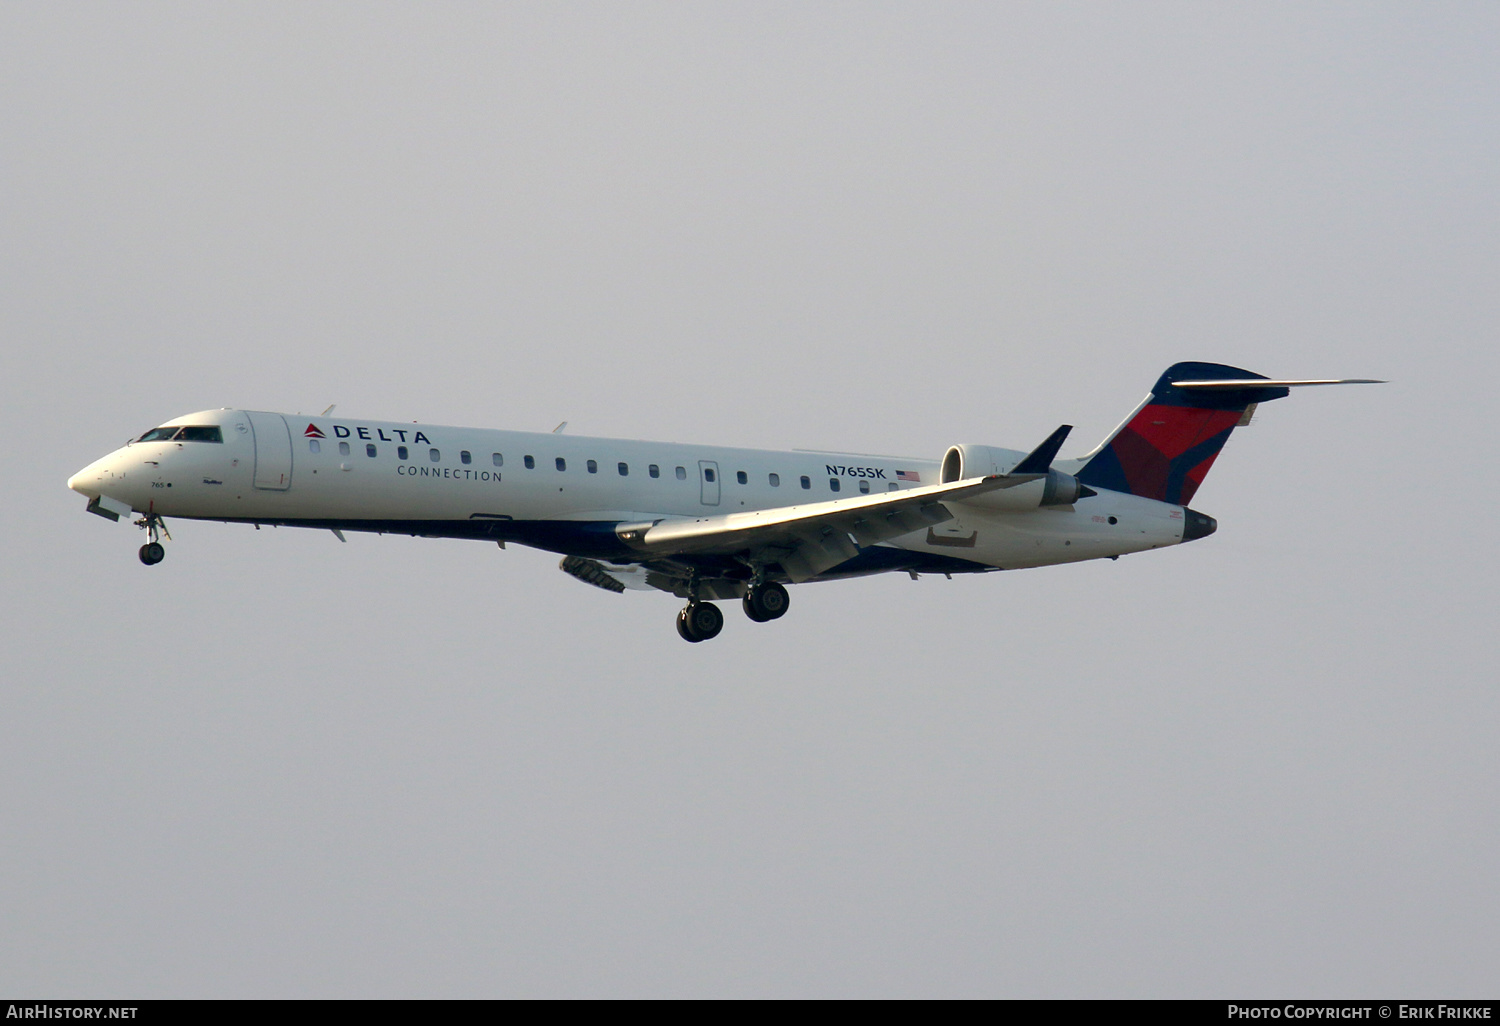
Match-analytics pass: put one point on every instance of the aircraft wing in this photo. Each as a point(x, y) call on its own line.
point(806, 540)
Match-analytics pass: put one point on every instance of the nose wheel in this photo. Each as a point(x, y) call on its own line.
point(152, 552)
point(699, 621)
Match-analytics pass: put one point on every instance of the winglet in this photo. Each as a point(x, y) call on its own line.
point(1040, 460)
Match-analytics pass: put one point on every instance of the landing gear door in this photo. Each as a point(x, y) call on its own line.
point(273, 451)
point(708, 474)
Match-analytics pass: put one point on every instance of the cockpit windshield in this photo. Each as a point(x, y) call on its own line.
point(181, 433)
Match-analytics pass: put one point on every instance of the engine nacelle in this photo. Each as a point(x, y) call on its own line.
point(965, 461)
point(962, 462)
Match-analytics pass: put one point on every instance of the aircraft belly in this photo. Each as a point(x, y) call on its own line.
point(882, 559)
point(1097, 528)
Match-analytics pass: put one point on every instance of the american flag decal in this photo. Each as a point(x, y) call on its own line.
point(908, 475)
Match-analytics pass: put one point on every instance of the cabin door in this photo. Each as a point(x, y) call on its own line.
point(273, 451)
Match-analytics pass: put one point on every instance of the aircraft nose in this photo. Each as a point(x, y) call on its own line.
point(90, 479)
point(1197, 525)
point(80, 481)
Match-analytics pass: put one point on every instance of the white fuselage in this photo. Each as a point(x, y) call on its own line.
point(568, 493)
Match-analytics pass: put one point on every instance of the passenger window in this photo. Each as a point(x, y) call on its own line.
point(313, 446)
point(682, 473)
point(624, 470)
point(343, 448)
point(833, 484)
point(593, 466)
point(891, 486)
point(464, 457)
point(400, 452)
point(370, 451)
point(708, 474)
point(654, 470)
point(806, 482)
point(497, 459)
point(864, 488)
point(434, 455)
point(742, 477)
point(530, 463)
point(562, 464)
point(775, 480)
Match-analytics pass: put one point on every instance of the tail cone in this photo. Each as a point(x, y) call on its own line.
point(1197, 525)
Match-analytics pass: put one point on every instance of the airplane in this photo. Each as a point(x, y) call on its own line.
point(703, 523)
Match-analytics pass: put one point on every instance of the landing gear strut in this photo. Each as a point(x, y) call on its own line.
point(152, 552)
point(699, 621)
point(766, 601)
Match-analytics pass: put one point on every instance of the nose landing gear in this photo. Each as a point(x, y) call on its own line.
point(152, 552)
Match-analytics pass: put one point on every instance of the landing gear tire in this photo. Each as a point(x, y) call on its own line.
point(152, 553)
point(767, 602)
point(700, 621)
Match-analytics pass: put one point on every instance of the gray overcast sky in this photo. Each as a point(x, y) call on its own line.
point(1262, 764)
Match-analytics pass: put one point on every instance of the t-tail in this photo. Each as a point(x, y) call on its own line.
point(1164, 450)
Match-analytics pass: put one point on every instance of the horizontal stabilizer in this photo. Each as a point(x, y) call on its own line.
point(1165, 448)
point(1040, 459)
point(1241, 383)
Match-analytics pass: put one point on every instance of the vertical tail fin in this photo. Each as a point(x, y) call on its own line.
point(1167, 446)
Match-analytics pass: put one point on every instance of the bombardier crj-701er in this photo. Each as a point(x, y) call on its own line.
point(700, 522)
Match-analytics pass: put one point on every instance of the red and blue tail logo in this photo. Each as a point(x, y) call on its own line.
point(1167, 448)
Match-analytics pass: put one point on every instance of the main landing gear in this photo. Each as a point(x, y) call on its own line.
point(152, 552)
point(766, 601)
point(699, 621)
